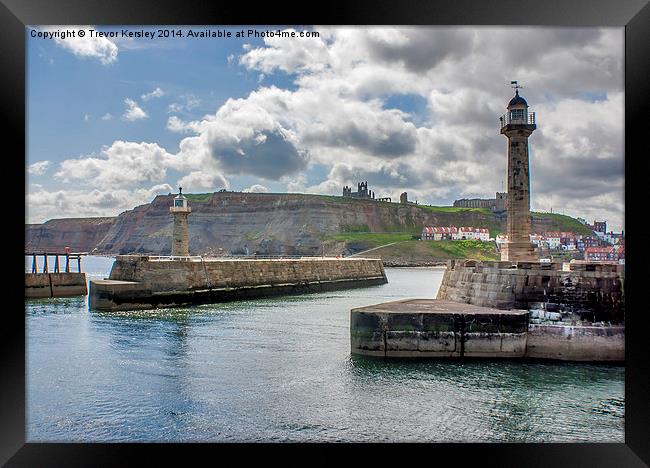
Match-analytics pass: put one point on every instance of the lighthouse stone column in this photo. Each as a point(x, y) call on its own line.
point(517, 126)
point(180, 235)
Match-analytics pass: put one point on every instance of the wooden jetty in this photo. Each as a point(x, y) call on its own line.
point(61, 281)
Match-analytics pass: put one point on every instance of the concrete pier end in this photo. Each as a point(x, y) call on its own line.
point(437, 328)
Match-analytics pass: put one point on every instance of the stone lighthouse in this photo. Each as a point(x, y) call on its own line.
point(181, 235)
point(517, 125)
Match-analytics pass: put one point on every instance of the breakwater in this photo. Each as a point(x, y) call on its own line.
point(570, 312)
point(425, 328)
point(144, 282)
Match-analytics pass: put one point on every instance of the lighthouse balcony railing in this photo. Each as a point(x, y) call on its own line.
point(507, 119)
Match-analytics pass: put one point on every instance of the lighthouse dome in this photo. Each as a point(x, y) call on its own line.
point(517, 100)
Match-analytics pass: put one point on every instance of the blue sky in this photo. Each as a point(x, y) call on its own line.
point(64, 88)
point(113, 122)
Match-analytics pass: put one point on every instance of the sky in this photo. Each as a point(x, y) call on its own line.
point(114, 121)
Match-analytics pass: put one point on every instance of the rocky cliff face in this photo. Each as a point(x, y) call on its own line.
point(269, 224)
point(80, 234)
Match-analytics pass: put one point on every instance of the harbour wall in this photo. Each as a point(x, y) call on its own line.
point(576, 343)
point(436, 328)
point(40, 285)
point(593, 291)
point(142, 282)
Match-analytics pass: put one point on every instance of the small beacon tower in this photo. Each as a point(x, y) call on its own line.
point(181, 236)
point(517, 125)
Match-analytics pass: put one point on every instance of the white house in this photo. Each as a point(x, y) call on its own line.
point(454, 233)
point(553, 240)
point(482, 234)
point(438, 233)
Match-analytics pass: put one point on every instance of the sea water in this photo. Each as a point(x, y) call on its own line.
point(280, 369)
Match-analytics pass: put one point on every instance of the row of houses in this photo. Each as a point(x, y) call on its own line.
point(600, 229)
point(561, 241)
point(455, 233)
point(611, 238)
point(614, 253)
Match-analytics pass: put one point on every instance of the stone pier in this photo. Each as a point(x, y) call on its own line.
point(142, 282)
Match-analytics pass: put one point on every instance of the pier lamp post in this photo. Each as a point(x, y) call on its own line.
point(181, 235)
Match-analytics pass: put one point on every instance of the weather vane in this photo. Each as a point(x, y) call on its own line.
point(515, 85)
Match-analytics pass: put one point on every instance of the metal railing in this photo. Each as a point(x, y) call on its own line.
point(199, 258)
point(506, 119)
point(58, 266)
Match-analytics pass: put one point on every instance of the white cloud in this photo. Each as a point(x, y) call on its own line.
point(256, 188)
point(174, 124)
point(133, 111)
point(187, 103)
point(300, 53)
point(107, 116)
point(245, 137)
point(99, 48)
point(38, 168)
point(296, 183)
point(347, 81)
point(72, 203)
point(204, 180)
point(414, 109)
point(86, 117)
point(123, 164)
point(156, 93)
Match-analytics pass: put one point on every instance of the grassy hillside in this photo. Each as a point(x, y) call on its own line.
point(413, 252)
point(372, 239)
point(453, 215)
point(197, 197)
point(565, 223)
point(453, 209)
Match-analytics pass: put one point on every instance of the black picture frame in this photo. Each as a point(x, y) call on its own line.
point(634, 15)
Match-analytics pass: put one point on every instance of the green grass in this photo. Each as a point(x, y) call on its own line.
point(454, 209)
point(355, 228)
point(251, 235)
point(564, 223)
point(406, 246)
point(198, 197)
point(373, 239)
point(439, 250)
point(465, 249)
point(337, 198)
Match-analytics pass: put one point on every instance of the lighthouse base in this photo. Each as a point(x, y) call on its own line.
point(518, 252)
point(592, 291)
